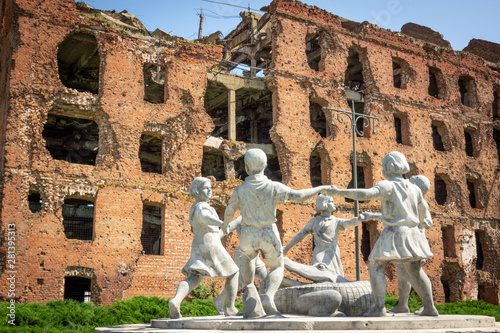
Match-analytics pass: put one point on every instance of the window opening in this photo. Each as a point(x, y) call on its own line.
point(480, 237)
point(77, 288)
point(397, 75)
point(34, 201)
point(354, 73)
point(150, 153)
point(446, 290)
point(154, 83)
point(469, 147)
point(313, 51)
point(496, 104)
point(71, 139)
point(151, 229)
point(273, 170)
point(78, 218)
point(433, 89)
point(440, 190)
point(361, 181)
point(365, 241)
point(466, 89)
point(213, 165)
point(437, 139)
point(79, 62)
point(318, 119)
point(315, 168)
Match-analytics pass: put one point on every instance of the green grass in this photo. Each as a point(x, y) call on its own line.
point(71, 316)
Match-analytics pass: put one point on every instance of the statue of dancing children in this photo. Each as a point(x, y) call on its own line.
point(404, 286)
point(256, 199)
point(326, 264)
point(209, 258)
point(401, 241)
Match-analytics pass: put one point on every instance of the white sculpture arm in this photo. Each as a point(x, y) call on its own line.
point(356, 194)
point(207, 216)
point(295, 240)
point(305, 194)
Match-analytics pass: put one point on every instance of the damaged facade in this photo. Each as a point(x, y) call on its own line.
point(103, 128)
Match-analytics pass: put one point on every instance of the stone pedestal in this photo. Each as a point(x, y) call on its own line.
point(292, 323)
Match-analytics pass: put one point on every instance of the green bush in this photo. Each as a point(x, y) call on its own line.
point(71, 316)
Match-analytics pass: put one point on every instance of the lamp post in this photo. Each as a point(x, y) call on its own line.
point(353, 129)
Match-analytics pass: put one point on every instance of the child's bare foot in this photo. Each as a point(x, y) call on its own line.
point(400, 308)
point(231, 311)
point(375, 312)
point(268, 305)
point(174, 310)
point(219, 304)
point(430, 311)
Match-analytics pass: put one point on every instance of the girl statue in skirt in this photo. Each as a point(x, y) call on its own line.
point(209, 258)
point(401, 242)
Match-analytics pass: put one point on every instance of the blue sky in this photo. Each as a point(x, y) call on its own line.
point(458, 21)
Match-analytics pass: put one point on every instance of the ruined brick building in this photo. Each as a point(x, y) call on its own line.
point(104, 125)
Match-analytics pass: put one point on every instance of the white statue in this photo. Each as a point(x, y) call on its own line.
point(326, 263)
point(404, 285)
point(209, 258)
point(401, 242)
point(256, 199)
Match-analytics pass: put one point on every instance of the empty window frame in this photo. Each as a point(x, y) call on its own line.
point(435, 88)
point(495, 106)
point(150, 153)
point(273, 170)
point(400, 73)
point(78, 288)
point(79, 62)
point(315, 168)
point(365, 240)
point(473, 189)
point(439, 136)
point(480, 237)
point(154, 83)
point(71, 139)
point(401, 127)
point(496, 138)
point(313, 51)
point(440, 190)
point(151, 229)
point(213, 165)
point(78, 218)
point(354, 73)
point(467, 89)
point(362, 175)
point(318, 119)
point(34, 201)
point(470, 142)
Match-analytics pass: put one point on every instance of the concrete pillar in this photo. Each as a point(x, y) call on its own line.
point(231, 121)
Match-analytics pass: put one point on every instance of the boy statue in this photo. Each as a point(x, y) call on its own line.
point(256, 199)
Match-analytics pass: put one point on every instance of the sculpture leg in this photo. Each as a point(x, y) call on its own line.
point(231, 289)
point(273, 282)
point(404, 289)
point(420, 281)
point(379, 287)
point(184, 288)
